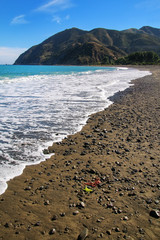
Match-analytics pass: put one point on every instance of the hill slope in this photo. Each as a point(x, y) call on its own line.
point(98, 46)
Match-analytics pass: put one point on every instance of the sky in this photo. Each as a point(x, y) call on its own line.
point(25, 23)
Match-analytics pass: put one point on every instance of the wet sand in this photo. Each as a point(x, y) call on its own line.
point(120, 147)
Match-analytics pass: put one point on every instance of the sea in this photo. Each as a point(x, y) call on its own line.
point(40, 105)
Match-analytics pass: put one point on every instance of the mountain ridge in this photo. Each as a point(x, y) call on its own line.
point(98, 46)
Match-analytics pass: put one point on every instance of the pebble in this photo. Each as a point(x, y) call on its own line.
point(66, 230)
point(37, 224)
point(6, 225)
point(109, 232)
point(141, 231)
point(62, 214)
point(82, 205)
point(27, 188)
point(76, 212)
point(155, 213)
point(46, 202)
point(45, 151)
point(99, 220)
point(83, 234)
point(52, 231)
point(149, 201)
point(54, 217)
point(117, 229)
point(101, 235)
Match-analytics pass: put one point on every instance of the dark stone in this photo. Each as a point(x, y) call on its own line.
point(54, 217)
point(46, 151)
point(155, 213)
point(6, 225)
point(149, 201)
point(52, 231)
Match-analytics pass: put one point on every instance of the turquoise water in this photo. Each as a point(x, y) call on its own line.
point(14, 71)
point(43, 104)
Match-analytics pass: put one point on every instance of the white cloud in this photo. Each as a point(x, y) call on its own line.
point(8, 55)
point(19, 20)
point(67, 17)
point(59, 20)
point(56, 19)
point(55, 5)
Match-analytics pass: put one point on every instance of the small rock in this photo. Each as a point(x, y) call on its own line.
point(101, 235)
point(109, 232)
point(46, 202)
point(66, 230)
point(62, 214)
point(37, 224)
point(141, 231)
point(117, 229)
point(110, 205)
point(149, 201)
point(27, 188)
point(52, 231)
point(82, 204)
point(54, 217)
point(83, 234)
point(99, 220)
point(155, 213)
point(125, 218)
point(6, 225)
point(45, 151)
point(75, 212)
point(120, 211)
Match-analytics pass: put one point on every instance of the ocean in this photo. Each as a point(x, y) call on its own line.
point(40, 105)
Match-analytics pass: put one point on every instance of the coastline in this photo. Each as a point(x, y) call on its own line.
point(120, 146)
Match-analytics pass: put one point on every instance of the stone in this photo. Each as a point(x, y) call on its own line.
point(109, 232)
point(117, 229)
point(82, 205)
point(149, 201)
point(76, 212)
point(62, 214)
point(155, 213)
point(54, 217)
point(83, 234)
point(46, 202)
point(37, 224)
point(52, 231)
point(45, 151)
point(99, 220)
point(27, 188)
point(6, 225)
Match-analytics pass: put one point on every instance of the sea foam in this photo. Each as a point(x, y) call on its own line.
point(41, 109)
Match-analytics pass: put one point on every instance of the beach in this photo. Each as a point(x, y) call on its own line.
point(102, 182)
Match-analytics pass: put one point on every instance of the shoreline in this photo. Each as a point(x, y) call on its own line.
point(17, 168)
point(120, 146)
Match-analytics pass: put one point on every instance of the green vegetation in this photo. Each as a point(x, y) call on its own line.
point(140, 58)
point(98, 46)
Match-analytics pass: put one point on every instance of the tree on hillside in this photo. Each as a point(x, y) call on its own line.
point(140, 58)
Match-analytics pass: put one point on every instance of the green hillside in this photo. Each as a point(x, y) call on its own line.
point(98, 46)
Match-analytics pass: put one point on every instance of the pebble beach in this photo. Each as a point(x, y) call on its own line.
point(100, 183)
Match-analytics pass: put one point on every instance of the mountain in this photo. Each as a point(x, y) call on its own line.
point(98, 46)
point(150, 30)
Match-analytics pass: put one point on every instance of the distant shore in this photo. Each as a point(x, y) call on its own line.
point(119, 147)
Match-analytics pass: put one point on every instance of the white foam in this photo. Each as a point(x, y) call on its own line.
point(38, 110)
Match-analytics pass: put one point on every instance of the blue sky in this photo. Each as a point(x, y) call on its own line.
point(24, 23)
